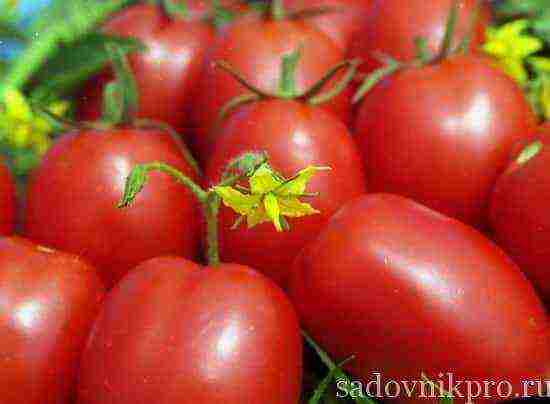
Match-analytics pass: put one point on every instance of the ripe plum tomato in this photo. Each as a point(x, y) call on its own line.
point(294, 135)
point(255, 48)
point(166, 73)
point(48, 302)
point(519, 213)
point(173, 332)
point(73, 196)
point(416, 19)
point(443, 141)
point(7, 202)
point(341, 21)
point(410, 291)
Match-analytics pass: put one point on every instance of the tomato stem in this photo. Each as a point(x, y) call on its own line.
point(175, 10)
point(314, 96)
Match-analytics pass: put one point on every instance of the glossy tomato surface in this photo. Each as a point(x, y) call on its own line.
point(428, 135)
point(48, 301)
point(173, 332)
point(407, 290)
point(294, 136)
point(391, 28)
point(7, 201)
point(341, 20)
point(168, 70)
point(520, 216)
point(73, 196)
point(255, 49)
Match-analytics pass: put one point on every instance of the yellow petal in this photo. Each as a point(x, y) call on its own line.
point(293, 207)
point(297, 185)
point(264, 180)
point(236, 200)
point(16, 106)
point(271, 206)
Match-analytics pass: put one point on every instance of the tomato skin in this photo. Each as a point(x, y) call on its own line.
point(415, 20)
point(254, 47)
point(422, 293)
point(49, 300)
point(173, 332)
point(442, 141)
point(294, 135)
point(520, 218)
point(166, 74)
point(346, 18)
point(7, 202)
point(73, 196)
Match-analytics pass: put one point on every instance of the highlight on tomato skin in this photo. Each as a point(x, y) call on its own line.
point(441, 141)
point(49, 300)
point(458, 303)
point(72, 200)
point(7, 201)
point(519, 211)
point(191, 335)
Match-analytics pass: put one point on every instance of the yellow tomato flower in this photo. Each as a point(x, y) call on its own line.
point(510, 45)
point(270, 197)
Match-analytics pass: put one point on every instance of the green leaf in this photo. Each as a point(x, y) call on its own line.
point(134, 184)
point(74, 64)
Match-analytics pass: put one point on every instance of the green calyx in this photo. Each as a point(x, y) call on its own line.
point(269, 198)
point(287, 84)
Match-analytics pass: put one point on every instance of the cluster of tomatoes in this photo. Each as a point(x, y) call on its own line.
point(104, 305)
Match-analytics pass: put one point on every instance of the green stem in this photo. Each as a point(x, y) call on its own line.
point(278, 11)
point(40, 50)
point(450, 28)
point(196, 189)
point(211, 209)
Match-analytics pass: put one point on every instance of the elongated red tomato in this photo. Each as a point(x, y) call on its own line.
point(172, 332)
point(409, 291)
point(73, 196)
point(342, 19)
point(294, 135)
point(48, 301)
point(442, 141)
point(417, 19)
point(255, 49)
point(166, 73)
point(7, 201)
point(520, 216)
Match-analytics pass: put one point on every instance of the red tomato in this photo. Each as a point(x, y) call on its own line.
point(442, 141)
point(173, 332)
point(7, 201)
point(417, 19)
point(48, 301)
point(294, 135)
point(407, 290)
point(166, 74)
point(341, 21)
point(520, 216)
point(255, 47)
point(73, 195)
